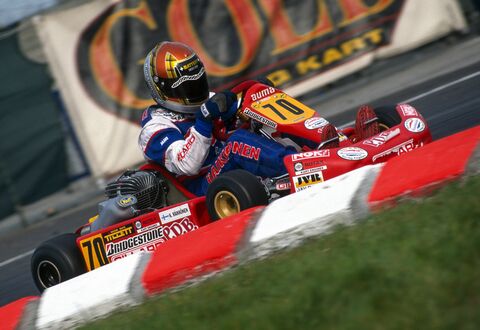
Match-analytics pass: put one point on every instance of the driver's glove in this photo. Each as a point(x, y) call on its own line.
point(221, 105)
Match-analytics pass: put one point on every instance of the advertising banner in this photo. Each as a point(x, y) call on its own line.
point(96, 52)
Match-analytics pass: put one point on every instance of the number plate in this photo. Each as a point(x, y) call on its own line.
point(93, 250)
point(283, 109)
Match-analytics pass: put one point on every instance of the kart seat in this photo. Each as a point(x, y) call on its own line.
point(177, 193)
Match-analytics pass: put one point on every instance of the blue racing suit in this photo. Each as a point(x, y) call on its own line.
point(185, 147)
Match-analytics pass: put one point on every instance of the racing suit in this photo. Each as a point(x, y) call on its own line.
point(185, 147)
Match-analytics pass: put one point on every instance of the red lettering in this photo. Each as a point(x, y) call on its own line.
point(282, 31)
point(354, 10)
point(245, 20)
point(104, 64)
point(188, 225)
point(186, 148)
point(255, 154)
point(246, 151)
point(237, 147)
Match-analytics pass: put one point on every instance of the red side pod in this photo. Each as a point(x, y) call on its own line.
point(208, 249)
point(423, 168)
point(11, 314)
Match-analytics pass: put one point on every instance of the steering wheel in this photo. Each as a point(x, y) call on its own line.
point(223, 130)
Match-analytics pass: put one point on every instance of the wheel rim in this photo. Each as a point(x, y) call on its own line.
point(48, 274)
point(226, 204)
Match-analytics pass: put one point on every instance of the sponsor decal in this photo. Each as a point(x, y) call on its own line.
point(133, 243)
point(311, 170)
point(352, 153)
point(298, 166)
point(147, 223)
point(189, 65)
point(305, 181)
point(408, 110)
point(148, 227)
point(182, 79)
point(164, 140)
point(118, 233)
point(204, 111)
point(399, 149)
point(145, 248)
point(186, 148)
point(315, 122)
point(414, 125)
point(126, 201)
point(283, 185)
point(170, 231)
point(381, 138)
point(261, 119)
point(311, 154)
point(179, 228)
point(263, 94)
point(174, 213)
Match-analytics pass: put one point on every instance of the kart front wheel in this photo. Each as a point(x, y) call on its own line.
point(233, 192)
point(56, 261)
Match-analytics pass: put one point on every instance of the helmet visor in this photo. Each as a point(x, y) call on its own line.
point(192, 89)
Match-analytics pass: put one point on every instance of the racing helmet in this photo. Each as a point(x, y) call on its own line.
point(176, 77)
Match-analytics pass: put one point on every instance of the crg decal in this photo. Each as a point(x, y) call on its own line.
point(352, 153)
point(414, 125)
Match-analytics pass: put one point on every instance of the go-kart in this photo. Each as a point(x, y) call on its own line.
point(148, 207)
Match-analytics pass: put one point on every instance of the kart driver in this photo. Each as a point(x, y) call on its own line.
point(177, 131)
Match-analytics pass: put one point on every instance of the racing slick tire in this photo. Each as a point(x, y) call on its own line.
point(56, 261)
point(233, 192)
point(387, 116)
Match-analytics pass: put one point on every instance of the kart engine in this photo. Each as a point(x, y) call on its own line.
point(148, 187)
point(133, 193)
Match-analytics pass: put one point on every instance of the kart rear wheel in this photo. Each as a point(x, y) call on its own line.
point(56, 261)
point(387, 116)
point(233, 192)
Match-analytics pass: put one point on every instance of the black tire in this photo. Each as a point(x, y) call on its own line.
point(387, 116)
point(233, 192)
point(56, 261)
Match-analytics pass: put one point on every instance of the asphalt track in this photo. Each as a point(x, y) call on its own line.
point(450, 103)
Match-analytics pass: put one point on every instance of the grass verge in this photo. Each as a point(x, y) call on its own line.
point(414, 266)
